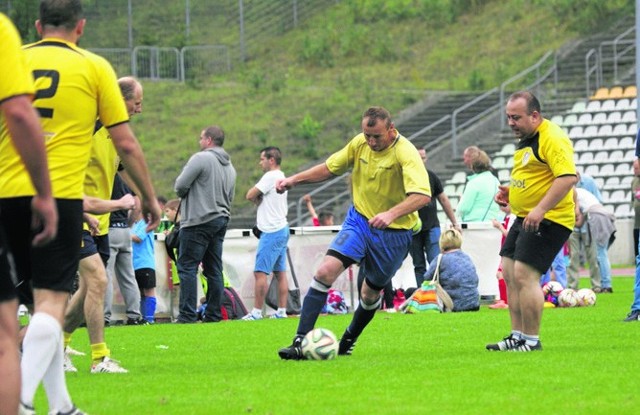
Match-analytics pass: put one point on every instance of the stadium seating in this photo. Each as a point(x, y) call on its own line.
point(623, 104)
point(616, 92)
point(580, 106)
point(601, 93)
point(630, 92)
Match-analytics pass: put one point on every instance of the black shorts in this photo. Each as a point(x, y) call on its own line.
point(92, 245)
point(52, 266)
point(146, 278)
point(8, 275)
point(537, 249)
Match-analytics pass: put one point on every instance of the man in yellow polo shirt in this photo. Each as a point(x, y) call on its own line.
point(389, 184)
point(20, 119)
point(72, 86)
point(541, 197)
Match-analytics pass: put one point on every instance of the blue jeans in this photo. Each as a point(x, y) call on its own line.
point(636, 289)
point(559, 267)
point(201, 244)
point(605, 265)
point(424, 243)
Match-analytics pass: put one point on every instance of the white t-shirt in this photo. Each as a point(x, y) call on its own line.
point(272, 212)
point(586, 199)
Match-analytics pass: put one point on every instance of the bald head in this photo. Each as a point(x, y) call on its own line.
point(131, 90)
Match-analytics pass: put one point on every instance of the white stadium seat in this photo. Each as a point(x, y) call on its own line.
point(596, 144)
point(613, 117)
point(601, 118)
point(592, 106)
point(626, 143)
point(580, 106)
point(623, 104)
point(585, 119)
point(608, 105)
point(610, 143)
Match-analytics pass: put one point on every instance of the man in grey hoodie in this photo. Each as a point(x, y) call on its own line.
point(206, 186)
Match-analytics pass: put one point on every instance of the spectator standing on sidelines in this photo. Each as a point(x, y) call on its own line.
point(476, 203)
point(206, 187)
point(87, 303)
point(323, 218)
point(271, 255)
point(581, 240)
point(389, 185)
point(540, 195)
point(18, 119)
point(635, 200)
point(426, 241)
point(120, 263)
point(634, 314)
point(73, 86)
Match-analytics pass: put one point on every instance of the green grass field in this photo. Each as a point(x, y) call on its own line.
point(403, 364)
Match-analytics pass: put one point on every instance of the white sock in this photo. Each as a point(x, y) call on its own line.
point(517, 335)
point(531, 339)
point(55, 384)
point(41, 347)
point(281, 311)
point(256, 312)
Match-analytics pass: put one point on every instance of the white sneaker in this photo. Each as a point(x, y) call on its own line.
point(73, 411)
point(251, 317)
point(25, 410)
point(276, 315)
point(108, 365)
point(68, 364)
point(73, 352)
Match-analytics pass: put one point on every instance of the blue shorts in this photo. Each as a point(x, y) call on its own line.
point(271, 255)
point(380, 252)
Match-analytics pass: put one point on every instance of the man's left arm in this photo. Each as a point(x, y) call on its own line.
point(413, 202)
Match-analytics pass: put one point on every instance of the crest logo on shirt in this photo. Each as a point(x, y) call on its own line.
point(525, 158)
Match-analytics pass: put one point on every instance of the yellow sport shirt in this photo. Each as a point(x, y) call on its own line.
point(73, 87)
point(101, 172)
point(532, 177)
point(382, 179)
point(15, 79)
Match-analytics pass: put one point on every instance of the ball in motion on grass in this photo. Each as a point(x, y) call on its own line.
point(320, 344)
point(586, 297)
point(568, 298)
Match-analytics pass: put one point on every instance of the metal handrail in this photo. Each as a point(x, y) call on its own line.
point(589, 70)
point(454, 117)
point(618, 40)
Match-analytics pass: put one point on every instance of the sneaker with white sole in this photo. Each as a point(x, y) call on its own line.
point(73, 411)
point(68, 364)
point(505, 344)
point(251, 317)
point(522, 346)
point(73, 352)
point(26, 410)
point(276, 315)
point(108, 365)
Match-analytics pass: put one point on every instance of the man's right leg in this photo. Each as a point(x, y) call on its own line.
point(417, 251)
point(192, 249)
point(573, 272)
point(592, 260)
point(124, 273)
point(9, 358)
point(42, 352)
point(634, 315)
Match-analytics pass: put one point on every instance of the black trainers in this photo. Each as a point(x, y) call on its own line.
point(137, 322)
point(346, 345)
point(293, 352)
point(522, 346)
point(505, 344)
point(633, 316)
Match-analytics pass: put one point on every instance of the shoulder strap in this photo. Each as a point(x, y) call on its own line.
point(436, 274)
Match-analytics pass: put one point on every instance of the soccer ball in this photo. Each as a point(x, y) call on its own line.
point(552, 288)
point(320, 344)
point(586, 297)
point(568, 298)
